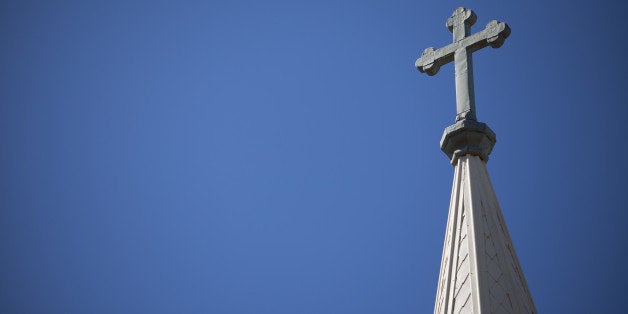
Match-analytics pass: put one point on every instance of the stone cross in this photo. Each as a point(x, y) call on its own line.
point(460, 52)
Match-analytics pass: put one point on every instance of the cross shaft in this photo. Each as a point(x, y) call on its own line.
point(460, 51)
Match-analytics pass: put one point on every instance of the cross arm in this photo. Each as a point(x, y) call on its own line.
point(493, 35)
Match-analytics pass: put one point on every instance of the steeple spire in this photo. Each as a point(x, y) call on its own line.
point(480, 271)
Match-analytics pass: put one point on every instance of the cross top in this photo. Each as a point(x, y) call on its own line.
point(457, 21)
point(460, 52)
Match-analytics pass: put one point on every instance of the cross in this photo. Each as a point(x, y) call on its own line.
point(460, 52)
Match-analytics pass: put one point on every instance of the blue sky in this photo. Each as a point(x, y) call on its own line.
point(276, 157)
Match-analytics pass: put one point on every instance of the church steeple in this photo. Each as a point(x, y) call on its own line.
point(480, 271)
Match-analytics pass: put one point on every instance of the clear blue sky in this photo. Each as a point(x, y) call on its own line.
point(253, 157)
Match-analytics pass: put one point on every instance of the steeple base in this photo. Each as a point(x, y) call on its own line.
point(467, 137)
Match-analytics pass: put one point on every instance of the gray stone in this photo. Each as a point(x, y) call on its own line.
point(460, 52)
point(481, 139)
point(467, 137)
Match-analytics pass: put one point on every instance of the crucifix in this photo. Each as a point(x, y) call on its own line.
point(460, 52)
